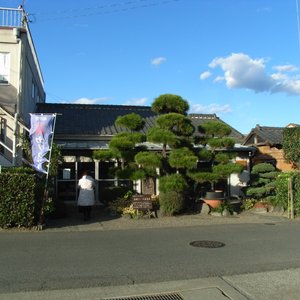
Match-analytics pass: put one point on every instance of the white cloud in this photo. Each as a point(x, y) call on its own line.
point(205, 75)
point(210, 109)
point(279, 76)
point(285, 68)
point(90, 101)
point(289, 86)
point(243, 72)
point(137, 101)
point(219, 78)
point(158, 61)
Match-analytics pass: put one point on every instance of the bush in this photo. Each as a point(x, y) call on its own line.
point(173, 182)
point(171, 198)
point(171, 202)
point(281, 198)
point(118, 205)
point(18, 199)
point(262, 182)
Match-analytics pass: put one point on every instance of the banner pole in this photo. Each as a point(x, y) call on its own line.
point(45, 195)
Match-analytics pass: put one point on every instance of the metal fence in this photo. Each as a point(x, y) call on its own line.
point(11, 17)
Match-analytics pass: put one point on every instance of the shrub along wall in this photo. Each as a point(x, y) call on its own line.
point(281, 198)
point(17, 199)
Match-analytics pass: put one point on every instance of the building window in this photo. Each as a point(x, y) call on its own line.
point(4, 67)
point(33, 90)
point(2, 133)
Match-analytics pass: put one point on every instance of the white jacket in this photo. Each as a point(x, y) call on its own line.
point(86, 193)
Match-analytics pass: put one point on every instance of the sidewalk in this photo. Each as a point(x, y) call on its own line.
point(102, 221)
point(273, 285)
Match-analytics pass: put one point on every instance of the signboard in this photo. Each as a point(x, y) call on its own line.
point(142, 202)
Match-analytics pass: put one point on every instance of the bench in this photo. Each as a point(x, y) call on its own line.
point(144, 203)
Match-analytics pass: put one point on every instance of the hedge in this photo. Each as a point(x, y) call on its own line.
point(281, 198)
point(18, 199)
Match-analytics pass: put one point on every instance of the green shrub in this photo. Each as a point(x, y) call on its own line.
point(117, 206)
point(18, 199)
point(171, 202)
point(173, 182)
point(171, 198)
point(281, 198)
point(262, 182)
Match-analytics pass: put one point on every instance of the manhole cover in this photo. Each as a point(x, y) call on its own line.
point(207, 244)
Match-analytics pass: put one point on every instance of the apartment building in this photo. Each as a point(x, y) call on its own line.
point(21, 83)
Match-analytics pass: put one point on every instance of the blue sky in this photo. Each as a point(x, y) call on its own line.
point(239, 59)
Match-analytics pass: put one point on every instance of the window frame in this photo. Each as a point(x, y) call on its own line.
point(5, 61)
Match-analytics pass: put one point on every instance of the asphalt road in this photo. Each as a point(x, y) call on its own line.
point(65, 260)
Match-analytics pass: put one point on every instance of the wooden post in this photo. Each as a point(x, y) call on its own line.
point(292, 214)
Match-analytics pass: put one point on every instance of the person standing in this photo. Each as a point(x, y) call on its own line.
point(86, 198)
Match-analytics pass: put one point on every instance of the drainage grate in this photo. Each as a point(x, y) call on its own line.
point(207, 244)
point(173, 296)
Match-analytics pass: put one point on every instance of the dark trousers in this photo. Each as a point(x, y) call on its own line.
point(86, 210)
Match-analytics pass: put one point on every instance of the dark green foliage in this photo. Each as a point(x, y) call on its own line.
point(296, 191)
point(217, 143)
point(130, 121)
point(291, 145)
point(163, 136)
point(215, 128)
point(182, 158)
point(125, 173)
point(224, 170)
point(139, 174)
point(202, 177)
point(18, 203)
point(121, 144)
point(282, 191)
point(173, 182)
point(171, 197)
point(205, 154)
point(17, 170)
point(168, 103)
point(222, 158)
point(104, 154)
point(262, 168)
point(262, 182)
point(148, 159)
point(177, 123)
point(117, 205)
point(171, 202)
point(56, 160)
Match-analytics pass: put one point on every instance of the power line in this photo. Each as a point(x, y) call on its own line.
point(298, 22)
point(74, 13)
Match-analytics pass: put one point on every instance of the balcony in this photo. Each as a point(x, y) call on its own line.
point(12, 17)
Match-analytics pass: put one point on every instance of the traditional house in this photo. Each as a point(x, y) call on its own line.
point(82, 128)
point(21, 83)
point(268, 141)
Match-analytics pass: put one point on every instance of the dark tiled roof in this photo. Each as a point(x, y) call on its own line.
point(87, 119)
point(264, 135)
point(200, 119)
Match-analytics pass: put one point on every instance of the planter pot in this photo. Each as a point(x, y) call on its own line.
point(213, 203)
point(214, 195)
